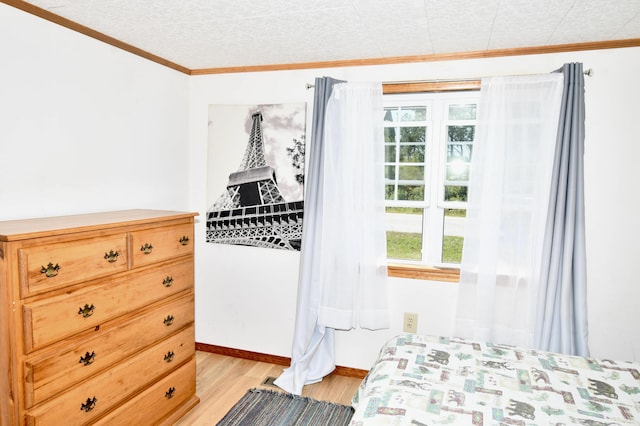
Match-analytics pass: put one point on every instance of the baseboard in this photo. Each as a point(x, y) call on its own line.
point(272, 359)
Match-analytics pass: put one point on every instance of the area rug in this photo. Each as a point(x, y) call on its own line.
point(263, 407)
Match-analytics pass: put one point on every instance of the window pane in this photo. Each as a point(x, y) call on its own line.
point(391, 114)
point(453, 235)
point(413, 113)
point(462, 112)
point(459, 151)
point(416, 174)
point(457, 171)
point(389, 192)
point(411, 192)
point(412, 153)
point(404, 233)
point(411, 173)
point(390, 172)
point(390, 153)
point(461, 133)
point(413, 134)
point(455, 193)
point(389, 134)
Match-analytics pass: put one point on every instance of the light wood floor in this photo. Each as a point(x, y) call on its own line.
point(221, 381)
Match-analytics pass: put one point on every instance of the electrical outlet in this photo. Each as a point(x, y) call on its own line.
point(410, 324)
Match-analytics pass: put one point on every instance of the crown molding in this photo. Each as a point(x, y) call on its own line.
point(67, 23)
point(520, 51)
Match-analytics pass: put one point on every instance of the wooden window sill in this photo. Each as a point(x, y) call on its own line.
point(419, 272)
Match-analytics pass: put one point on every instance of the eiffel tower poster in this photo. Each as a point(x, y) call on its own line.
point(256, 175)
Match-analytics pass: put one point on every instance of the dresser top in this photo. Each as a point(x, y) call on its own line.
point(13, 230)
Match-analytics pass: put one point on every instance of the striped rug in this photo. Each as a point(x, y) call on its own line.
point(264, 407)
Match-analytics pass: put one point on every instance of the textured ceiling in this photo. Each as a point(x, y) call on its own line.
point(199, 34)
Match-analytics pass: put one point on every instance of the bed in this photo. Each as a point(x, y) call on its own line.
point(428, 380)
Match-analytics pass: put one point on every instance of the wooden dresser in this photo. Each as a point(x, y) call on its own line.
point(97, 319)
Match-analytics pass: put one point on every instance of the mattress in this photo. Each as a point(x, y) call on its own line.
point(429, 380)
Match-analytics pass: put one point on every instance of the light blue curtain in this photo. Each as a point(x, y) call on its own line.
point(313, 350)
point(561, 324)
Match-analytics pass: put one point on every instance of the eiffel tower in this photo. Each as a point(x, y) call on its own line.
point(252, 211)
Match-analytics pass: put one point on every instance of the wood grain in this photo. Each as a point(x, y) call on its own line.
point(222, 380)
point(271, 359)
point(430, 86)
point(424, 273)
point(93, 300)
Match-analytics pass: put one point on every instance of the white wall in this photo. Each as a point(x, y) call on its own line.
point(84, 126)
point(246, 296)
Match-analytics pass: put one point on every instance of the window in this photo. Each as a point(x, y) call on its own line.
point(428, 141)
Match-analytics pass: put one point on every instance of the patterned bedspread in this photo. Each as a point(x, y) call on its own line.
point(427, 380)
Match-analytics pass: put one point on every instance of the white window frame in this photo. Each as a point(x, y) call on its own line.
point(434, 204)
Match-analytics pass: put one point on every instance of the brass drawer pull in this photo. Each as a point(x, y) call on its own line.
point(169, 356)
point(87, 358)
point(146, 248)
point(167, 281)
point(169, 394)
point(168, 320)
point(86, 311)
point(184, 240)
point(50, 270)
point(89, 405)
point(112, 256)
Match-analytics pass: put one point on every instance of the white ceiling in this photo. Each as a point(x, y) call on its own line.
point(199, 34)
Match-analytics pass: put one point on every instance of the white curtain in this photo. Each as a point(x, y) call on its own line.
point(348, 287)
point(354, 241)
point(507, 208)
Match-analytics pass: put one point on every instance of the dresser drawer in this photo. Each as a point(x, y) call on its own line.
point(49, 374)
point(49, 320)
point(153, 245)
point(47, 267)
point(159, 401)
point(89, 400)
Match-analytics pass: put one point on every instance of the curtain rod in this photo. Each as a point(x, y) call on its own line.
point(588, 73)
